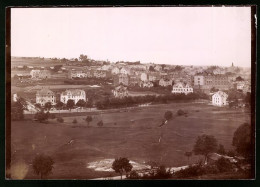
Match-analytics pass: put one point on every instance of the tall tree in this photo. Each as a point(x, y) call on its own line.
point(70, 104)
point(17, 109)
point(59, 105)
point(121, 165)
point(48, 106)
point(43, 165)
point(81, 103)
point(83, 57)
point(205, 144)
point(242, 140)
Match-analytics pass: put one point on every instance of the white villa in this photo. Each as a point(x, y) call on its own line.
point(146, 84)
point(125, 71)
point(180, 88)
point(40, 74)
point(115, 70)
point(74, 95)
point(219, 98)
point(165, 82)
point(45, 95)
point(144, 77)
point(120, 91)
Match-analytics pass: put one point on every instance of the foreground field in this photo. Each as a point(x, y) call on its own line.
point(133, 134)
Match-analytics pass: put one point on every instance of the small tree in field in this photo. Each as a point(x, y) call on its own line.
point(74, 120)
point(180, 112)
point(43, 165)
point(41, 116)
point(188, 155)
point(121, 165)
point(60, 119)
point(48, 106)
point(88, 119)
point(70, 104)
point(205, 145)
point(168, 115)
point(100, 123)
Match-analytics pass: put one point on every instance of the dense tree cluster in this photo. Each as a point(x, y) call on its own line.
point(42, 165)
point(133, 101)
point(17, 109)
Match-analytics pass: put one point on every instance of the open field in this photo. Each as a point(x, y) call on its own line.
point(20, 61)
point(135, 136)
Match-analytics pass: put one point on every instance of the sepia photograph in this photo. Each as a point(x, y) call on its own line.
point(131, 93)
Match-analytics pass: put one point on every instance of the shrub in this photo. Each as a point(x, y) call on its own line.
point(211, 169)
point(52, 116)
point(162, 173)
point(180, 112)
point(60, 119)
point(41, 116)
point(134, 175)
point(191, 171)
point(223, 164)
point(75, 121)
point(221, 150)
point(100, 123)
point(231, 153)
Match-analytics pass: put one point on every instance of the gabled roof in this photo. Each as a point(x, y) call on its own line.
point(76, 92)
point(220, 94)
point(45, 91)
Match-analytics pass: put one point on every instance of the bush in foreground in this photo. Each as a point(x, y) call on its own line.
point(42, 165)
point(191, 171)
point(180, 112)
point(224, 164)
point(60, 119)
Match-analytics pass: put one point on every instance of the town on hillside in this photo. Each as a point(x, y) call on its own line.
point(221, 85)
point(103, 110)
point(131, 93)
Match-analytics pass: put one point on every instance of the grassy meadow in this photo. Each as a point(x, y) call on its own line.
point(133, 134)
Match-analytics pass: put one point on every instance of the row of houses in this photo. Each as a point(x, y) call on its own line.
point(131, 80)
point(86, 74)
point(179, 88)
point(46, 95)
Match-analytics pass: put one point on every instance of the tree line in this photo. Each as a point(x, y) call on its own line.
point(133, 101)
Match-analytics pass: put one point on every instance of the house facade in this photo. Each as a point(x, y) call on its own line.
point(121, 79)
point(125, 71)
point(45, 95)
point(120, 91)
point(144, 77)
point(165, 82)
point(133, 80)
point(40, 74)
point(115, 71)
point(219, 99)
point(180, 88)
point(99, 74)
point(74, 95)
point(206, 81)
point(146, 84)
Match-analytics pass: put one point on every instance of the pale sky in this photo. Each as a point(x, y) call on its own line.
point(163, 35)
